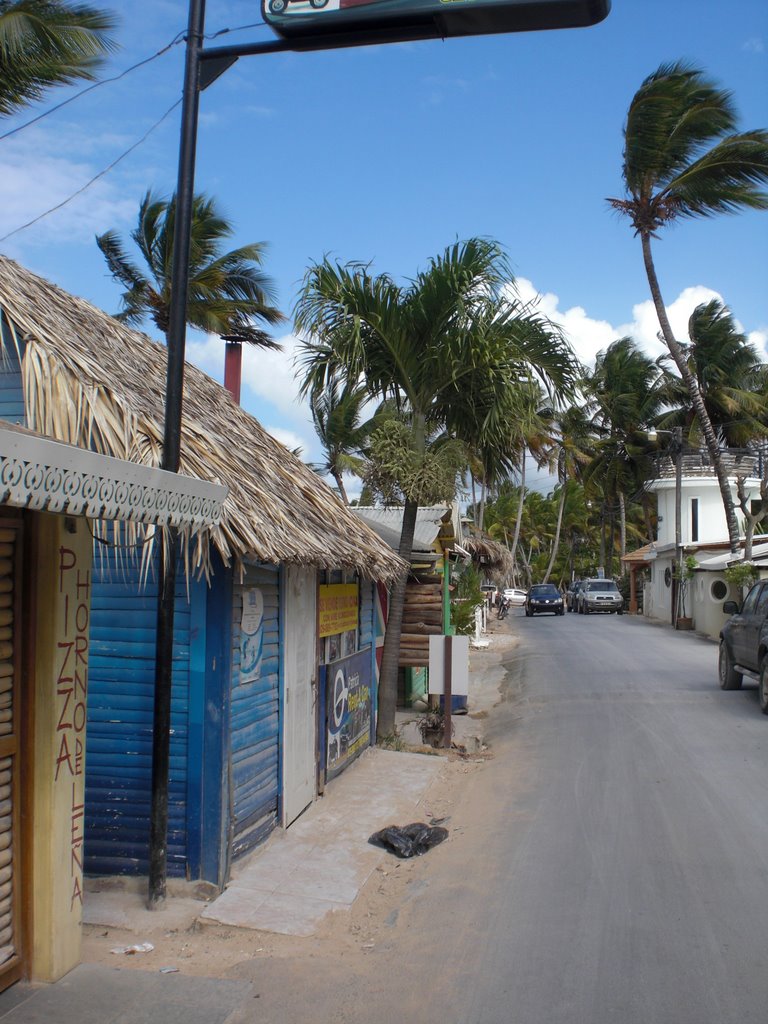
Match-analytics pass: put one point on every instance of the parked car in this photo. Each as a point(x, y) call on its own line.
point(744, 643)
point(544, 597)
point(599, 596)
point(515, 596)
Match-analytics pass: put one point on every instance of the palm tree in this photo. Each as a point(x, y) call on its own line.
point(227, 290)
point(336, 414)
point(729, 373)
point(446, 348)
point(683, 159)
point(530, 434)
point(573, 447)
point(625, 392)
point(44, 43)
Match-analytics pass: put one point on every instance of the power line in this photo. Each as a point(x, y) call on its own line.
point(179, 38)
point(238, 28)
point(95, 178)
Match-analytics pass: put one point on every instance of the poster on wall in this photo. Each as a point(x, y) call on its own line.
point(337, 608)
point(348, 696)
point(251, 634)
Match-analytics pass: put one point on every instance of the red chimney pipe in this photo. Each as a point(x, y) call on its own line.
point(233, 368)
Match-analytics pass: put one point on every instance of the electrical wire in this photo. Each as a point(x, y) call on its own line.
point(239, 28)
point(95, 178)
point(179, 38)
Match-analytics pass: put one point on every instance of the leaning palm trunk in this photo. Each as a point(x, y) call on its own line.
point(556, 543)
point(622, 529)
point(390, 657)
point(342, 489)
point(483, 497)
point(697, 400)
point(519, 519)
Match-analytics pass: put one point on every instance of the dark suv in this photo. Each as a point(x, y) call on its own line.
point(744, 643)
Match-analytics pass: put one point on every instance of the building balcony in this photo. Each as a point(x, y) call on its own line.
point(696, 462)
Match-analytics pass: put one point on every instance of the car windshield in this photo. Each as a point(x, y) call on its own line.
point(603, 585)
point(545, 590)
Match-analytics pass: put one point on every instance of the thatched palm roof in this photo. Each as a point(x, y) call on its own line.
point(89, 380)
point(495, 557)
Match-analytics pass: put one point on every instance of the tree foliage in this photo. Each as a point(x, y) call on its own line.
point(45, 43)
point(229, 295)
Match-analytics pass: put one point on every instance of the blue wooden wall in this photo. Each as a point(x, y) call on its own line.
point(11, 393)
point(120, 710)
point(255, 719)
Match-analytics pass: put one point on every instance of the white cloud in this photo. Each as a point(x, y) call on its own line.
point(754, 45)
point(269, 386)
point(759, 339)
point(588, 336)
point(55, 177)
point(644, 328)
point(272, 375)
point(288, 438)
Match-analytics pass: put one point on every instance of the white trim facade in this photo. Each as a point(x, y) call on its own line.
point(48, 476)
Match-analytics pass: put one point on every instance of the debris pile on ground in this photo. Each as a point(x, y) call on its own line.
point(409, 840)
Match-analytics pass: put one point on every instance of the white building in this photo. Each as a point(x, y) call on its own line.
point(703, 534)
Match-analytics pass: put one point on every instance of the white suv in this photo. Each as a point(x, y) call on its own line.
point(600, 596)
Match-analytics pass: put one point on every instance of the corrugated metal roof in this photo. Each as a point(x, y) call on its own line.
point(388, 522)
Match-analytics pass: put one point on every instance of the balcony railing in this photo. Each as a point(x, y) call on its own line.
point(696, 462)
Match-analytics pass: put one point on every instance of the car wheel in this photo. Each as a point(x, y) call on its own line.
point(619, 611)
point(730, 679)
point(762, 687)
point(586, 609)
point(277, 6)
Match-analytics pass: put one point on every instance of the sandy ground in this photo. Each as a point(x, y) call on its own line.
point(376, 917)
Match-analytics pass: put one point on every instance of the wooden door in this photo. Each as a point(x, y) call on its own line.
point(300, 652)
point(10, 654)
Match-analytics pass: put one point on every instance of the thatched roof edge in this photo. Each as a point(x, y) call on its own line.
point(89, 380)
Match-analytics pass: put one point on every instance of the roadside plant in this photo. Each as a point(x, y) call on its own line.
point(741, 575)
point(684, 574)
point(467, 597)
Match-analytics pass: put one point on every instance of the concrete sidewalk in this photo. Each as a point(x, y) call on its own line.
point(320, 864)
point(101, 995)
point(316, 867)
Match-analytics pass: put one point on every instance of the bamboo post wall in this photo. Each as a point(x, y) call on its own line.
point(422, 618)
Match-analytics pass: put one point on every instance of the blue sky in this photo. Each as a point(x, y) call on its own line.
point(388, 154)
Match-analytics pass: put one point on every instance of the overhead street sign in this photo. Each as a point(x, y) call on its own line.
point(444, 17)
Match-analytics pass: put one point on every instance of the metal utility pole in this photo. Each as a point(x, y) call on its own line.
point(169, 547)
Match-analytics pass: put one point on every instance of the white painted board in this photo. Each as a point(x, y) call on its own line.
point(459, 664)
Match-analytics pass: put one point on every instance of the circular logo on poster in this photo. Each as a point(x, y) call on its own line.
point(340, 695)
